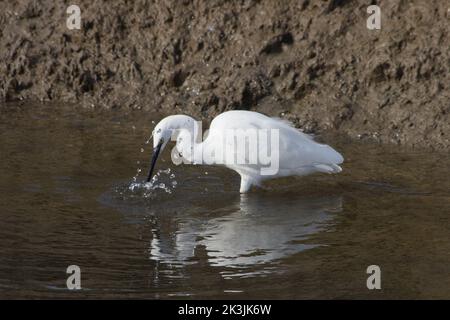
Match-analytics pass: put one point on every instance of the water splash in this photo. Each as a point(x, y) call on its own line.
point(163, 180)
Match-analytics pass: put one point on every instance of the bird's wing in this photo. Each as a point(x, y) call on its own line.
point(300, 152)
point(295, 148)
point(290, 124)
point(214, 139)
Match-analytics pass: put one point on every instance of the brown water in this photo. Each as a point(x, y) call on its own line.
point(67, 197)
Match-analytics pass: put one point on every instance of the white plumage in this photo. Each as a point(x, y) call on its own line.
point(298, 154)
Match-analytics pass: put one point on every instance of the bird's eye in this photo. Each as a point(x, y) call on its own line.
point(158, 131)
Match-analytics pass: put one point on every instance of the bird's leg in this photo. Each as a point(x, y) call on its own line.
point(246, 184)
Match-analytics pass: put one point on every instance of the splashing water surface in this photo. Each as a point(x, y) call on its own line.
point(162, 180)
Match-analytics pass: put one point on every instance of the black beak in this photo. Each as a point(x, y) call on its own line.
point(154, 158)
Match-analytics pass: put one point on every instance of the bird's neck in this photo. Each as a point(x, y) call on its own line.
point(189, 137)
point(190, 148)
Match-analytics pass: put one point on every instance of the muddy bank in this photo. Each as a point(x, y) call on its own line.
point(313, 62)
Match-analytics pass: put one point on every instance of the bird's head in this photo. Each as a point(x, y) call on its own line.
point(163, 133)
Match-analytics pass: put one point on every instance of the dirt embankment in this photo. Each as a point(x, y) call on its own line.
point(313, 62)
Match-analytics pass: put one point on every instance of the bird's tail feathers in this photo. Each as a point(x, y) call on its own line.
point(328, 168)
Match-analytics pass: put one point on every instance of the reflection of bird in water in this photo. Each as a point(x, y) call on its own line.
point(262, 230)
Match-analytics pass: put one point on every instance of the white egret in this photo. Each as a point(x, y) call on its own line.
point(293, 152)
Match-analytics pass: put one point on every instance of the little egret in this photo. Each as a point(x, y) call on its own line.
point(293, 153)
